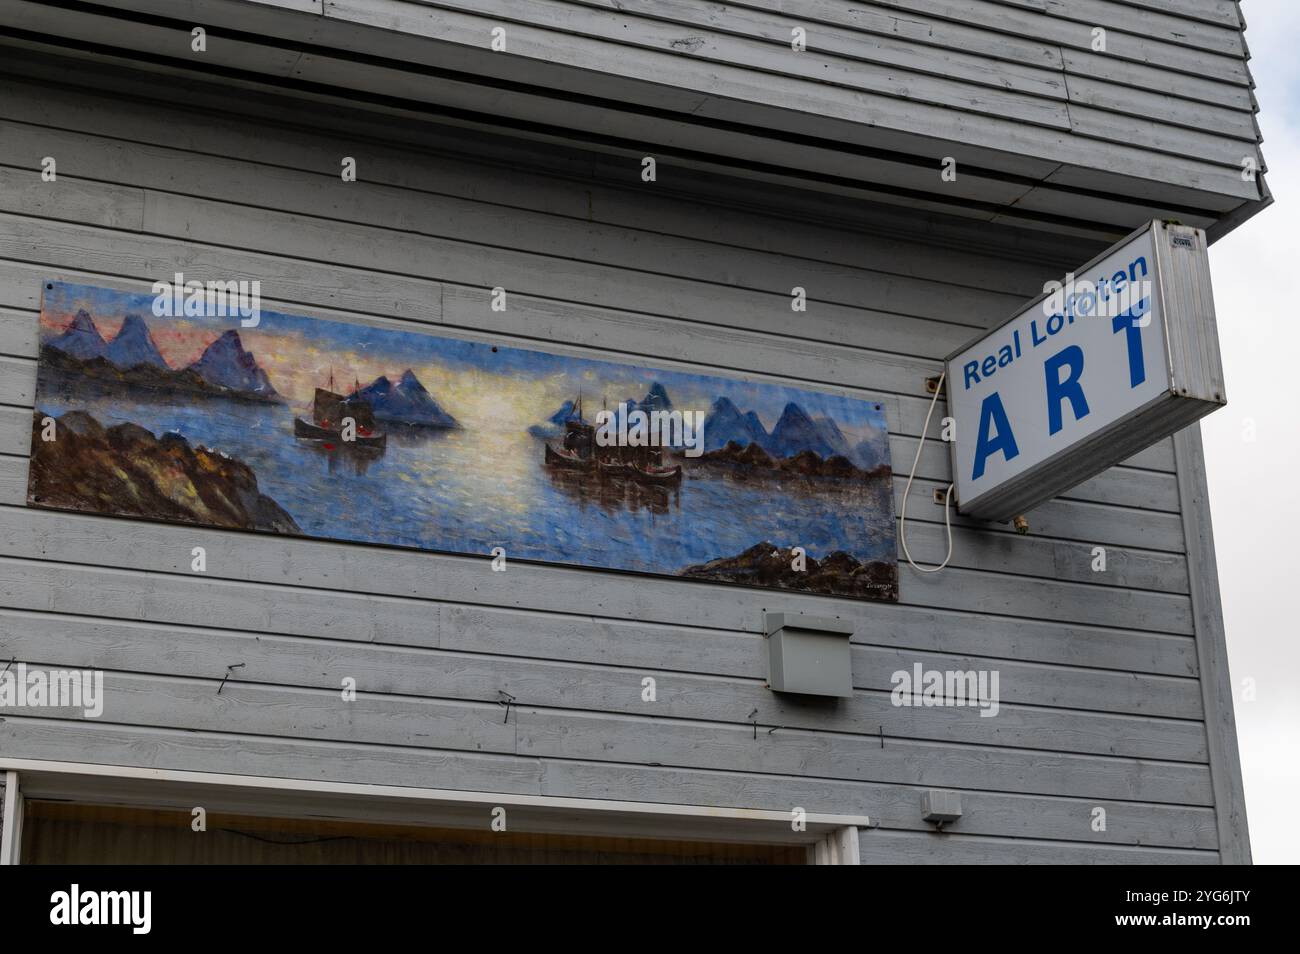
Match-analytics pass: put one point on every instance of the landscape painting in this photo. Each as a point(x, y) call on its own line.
point(357, 432)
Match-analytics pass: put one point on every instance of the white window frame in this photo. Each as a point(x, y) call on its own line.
point(830, 838)
point(11, 821)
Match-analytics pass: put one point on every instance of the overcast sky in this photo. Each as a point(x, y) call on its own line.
point(1253, 492)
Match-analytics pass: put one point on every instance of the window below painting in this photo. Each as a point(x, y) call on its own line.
point(80, 834)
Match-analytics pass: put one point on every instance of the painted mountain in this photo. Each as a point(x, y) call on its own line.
point(82, 339)
point(725, 424)
point(227, 366)
point(133, 360)
point(134, 345)
point(553, 426)
point(795, 431)
point(656, 399)
point(874, 451)
point(406, 402)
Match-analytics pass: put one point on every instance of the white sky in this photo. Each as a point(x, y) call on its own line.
point(1253, 492)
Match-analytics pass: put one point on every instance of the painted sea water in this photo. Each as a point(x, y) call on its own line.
point(460, 447)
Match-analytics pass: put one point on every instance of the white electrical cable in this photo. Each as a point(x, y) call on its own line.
point(947, 496)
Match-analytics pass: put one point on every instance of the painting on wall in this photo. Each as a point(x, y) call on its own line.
point(362, 433)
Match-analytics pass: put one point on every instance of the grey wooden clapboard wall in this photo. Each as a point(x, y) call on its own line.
point(1101, 701)
point(1048, 120)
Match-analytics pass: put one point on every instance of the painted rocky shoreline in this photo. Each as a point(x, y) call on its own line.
point(752, 459)
point(838, 573)
point(126, 470)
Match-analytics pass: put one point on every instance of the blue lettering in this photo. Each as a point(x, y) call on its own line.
point(1069, 389)
point(971, 371)
point(993, 415)
point(1128, 323)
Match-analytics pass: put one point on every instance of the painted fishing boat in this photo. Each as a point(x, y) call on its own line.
point(617, 468)
point(651, 474)
point(567, 459)
point(330, 411)
point(581, 453)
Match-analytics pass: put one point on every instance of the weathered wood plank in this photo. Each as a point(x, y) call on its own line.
point(16, 429)
point(1097, 690)
point(17, 333)
point(129, 166)
point(1219, 12)
point(1221, 38)
point(1030, 556)
point(63, 641)
point(428, 257)
point(885, 47)
point(312, 714)
point(17, 381)
point(608, 41)
point(1142, 77)
point(797, 106)
point(893, 807)
point(1233, 124)
point(47, 534)
point(51, 249)
point(883, 847)
point(874, 20)
point(404, 722)
point(1225, 64)
point(13, 480)
point(33, 585)
point(402, 260)
point(752, 102)
point(1226, 151)
point(562, 185)
point(202, 750)
point(613, 738)
point(951, 34)
point(990, 813)
point(1075, 518)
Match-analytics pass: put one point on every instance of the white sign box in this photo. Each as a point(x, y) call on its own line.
point(1116, 357)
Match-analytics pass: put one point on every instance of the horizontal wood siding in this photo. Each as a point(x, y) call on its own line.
point(1101, 701)
point(1048, 127)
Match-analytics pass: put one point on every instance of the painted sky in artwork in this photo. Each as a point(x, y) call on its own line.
point(474, 383)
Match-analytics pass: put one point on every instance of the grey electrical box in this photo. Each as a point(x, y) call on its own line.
point(940, 806)
point(809, 654)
